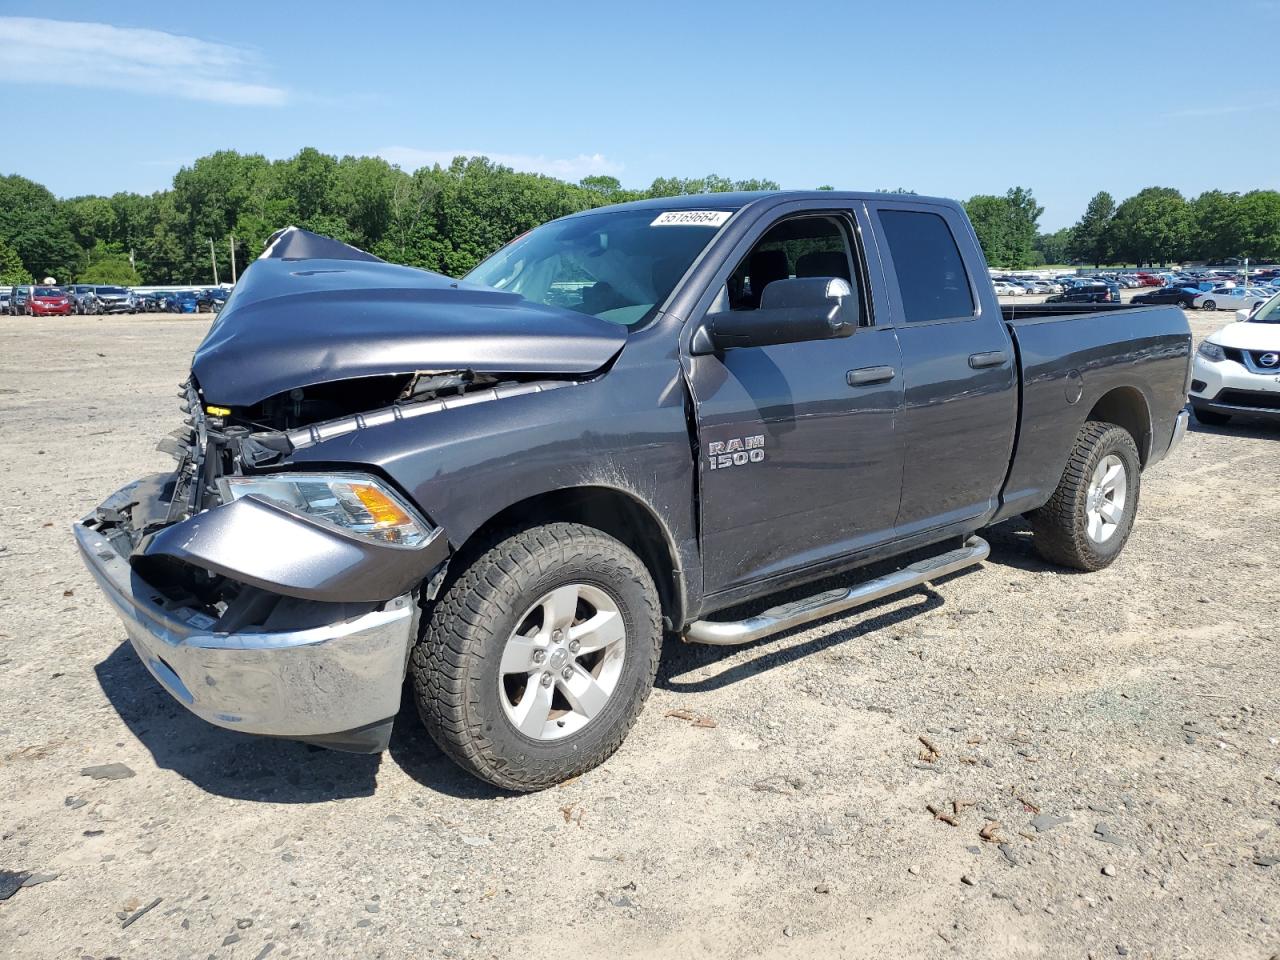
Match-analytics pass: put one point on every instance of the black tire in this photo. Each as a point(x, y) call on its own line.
point(1061, 525)
point(455, 663)
point(1209, 305)
point(1209, 418)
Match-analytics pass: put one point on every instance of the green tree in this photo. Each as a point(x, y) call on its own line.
point(1216, 225)
point(1259, 219)
point(11, 269)
point(990, 218)
point(1056, 247)
point(1153, 226)
point(1024, 225)
point(34, 224)
point(110, 268)
point(1092, 236)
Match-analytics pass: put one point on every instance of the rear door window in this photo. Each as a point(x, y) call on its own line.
point(932, 280)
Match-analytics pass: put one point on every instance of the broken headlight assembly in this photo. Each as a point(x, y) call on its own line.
point(355, 503)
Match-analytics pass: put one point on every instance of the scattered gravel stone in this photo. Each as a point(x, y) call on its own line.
point(968, 880)
point(74, 803)
point(107, 771)
point(244, 923)
point(1108, 871)
point(822, 888)
point(476, 841)
point(1103, 832)
point(230, 938)
point(1045, 822)
point(35, 879)
point(913, 870)
point(11, 882)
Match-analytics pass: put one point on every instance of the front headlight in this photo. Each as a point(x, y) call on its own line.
point(1211, 351)
point(355, 503)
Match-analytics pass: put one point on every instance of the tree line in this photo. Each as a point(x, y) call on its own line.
point(448, 218)
point(443, 218)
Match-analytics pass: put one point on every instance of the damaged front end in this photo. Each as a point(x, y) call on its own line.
point(256, 614)
point(283, 601)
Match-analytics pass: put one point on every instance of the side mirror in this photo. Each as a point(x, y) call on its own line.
point(795, 310)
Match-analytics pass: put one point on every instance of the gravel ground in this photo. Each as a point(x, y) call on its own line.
point(1100, 750)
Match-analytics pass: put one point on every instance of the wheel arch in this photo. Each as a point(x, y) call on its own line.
point(620, 514)
point(1128, 408)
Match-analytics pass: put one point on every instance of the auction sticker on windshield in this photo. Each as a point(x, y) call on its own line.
point(691, 218)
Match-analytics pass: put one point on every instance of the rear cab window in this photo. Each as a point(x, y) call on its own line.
point(932, 279)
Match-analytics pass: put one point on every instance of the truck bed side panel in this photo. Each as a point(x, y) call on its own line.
point(1093, 354)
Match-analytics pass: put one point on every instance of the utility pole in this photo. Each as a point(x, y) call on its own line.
point(233, 259)
point(214, 260)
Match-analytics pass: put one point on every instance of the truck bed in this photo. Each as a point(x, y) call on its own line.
point(1079, 361)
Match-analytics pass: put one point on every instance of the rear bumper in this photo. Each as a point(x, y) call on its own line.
point(337, 684)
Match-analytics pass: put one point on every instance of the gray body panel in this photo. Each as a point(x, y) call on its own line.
point(850, 475)
point(264, 545)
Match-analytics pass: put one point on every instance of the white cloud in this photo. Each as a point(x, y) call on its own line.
point(126, 58)
point(566, 168)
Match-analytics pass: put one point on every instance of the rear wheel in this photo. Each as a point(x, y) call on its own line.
point(536, 660)
point(1209, 305)
point(1210, 418)
point(1087, 521)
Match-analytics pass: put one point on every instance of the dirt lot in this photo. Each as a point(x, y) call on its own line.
point(1102, 751)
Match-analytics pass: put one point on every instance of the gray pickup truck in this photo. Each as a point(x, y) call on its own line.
point(623, 425)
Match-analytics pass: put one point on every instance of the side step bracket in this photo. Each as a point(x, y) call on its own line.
point(797, 612)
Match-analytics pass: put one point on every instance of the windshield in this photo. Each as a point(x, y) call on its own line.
point(48, 292)
point(1269, 312)
point(617, 266)
point(113, 290)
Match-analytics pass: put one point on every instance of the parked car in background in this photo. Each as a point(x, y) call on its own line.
point(1086, 293)
point(1147, 280)
point(1184, 297)
point(49, 302)
point(107, 299)
point(76, 292)
point(1230, 298)
point(1236, 371)
point(6, 297)
point(18, 300)
point(217, 297)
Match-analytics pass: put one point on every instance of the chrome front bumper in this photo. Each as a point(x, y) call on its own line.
point(337, 684)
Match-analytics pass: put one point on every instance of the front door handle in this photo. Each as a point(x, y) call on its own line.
point(994, 358)
point(867, 375)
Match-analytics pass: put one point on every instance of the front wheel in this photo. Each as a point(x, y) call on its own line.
point(1087, 521)
point(538, 657)
point(1209, 305)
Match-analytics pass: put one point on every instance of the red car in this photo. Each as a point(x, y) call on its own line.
point(49, 302)
point(1147, 280)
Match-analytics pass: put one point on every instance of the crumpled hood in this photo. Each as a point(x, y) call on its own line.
point(293, 323)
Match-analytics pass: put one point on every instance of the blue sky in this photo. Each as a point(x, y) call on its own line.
point(943, 98)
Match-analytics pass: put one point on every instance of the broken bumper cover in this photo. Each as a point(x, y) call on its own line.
point(337, 684)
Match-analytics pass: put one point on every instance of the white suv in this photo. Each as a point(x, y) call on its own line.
point(1237, 369)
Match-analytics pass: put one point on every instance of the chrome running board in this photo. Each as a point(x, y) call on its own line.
point(793, 614)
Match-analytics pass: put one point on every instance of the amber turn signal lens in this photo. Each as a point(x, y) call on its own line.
point(382, 508)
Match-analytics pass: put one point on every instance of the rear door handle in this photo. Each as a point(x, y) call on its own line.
point(994, 358)
point(867, 375)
